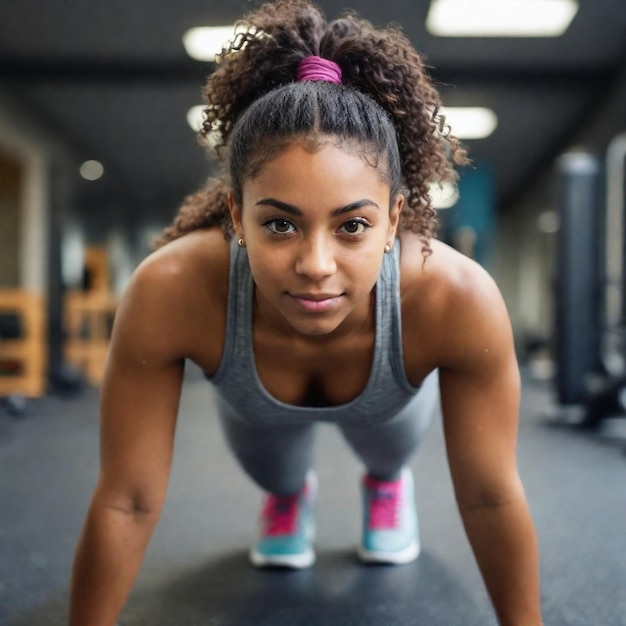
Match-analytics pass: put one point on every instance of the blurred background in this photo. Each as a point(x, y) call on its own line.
point(98, 120)
point(98, 143)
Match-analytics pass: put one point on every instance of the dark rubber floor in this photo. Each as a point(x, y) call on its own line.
point(196, 570)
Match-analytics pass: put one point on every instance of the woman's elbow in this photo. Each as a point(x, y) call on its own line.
point(138, 504)
point(489, 494)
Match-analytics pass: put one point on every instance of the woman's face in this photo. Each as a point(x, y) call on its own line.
point(315, 226)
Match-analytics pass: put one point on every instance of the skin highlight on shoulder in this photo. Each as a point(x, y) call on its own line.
point(452, 309)
point(180, 294)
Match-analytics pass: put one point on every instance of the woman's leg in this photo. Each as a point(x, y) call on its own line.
point(277, 458)
point(386, 448)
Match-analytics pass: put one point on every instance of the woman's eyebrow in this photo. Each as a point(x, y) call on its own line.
point(293, 210)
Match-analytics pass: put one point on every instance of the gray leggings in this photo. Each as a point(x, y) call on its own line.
point(277, 458)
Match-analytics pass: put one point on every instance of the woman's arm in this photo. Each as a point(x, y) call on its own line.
point(480, 389)
point(139, 403)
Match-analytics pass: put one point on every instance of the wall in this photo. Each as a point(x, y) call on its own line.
point(23, 142)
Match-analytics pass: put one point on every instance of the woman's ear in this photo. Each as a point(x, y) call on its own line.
point(235, 214)
point(394, 216)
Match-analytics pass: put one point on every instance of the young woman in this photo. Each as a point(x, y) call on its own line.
point(309, 287)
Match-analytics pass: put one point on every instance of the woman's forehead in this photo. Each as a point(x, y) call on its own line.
point(337, 155)
point(320, 182)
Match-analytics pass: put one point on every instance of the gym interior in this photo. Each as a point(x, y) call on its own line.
point(98, 120)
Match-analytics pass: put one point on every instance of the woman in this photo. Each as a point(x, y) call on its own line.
point(309, 287)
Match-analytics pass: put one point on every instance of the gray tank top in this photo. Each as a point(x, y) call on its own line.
point(237, 383)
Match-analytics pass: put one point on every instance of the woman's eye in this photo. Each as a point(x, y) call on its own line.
point(355, 227)
point(279, 226)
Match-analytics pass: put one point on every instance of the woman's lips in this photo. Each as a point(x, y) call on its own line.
point(316, 302)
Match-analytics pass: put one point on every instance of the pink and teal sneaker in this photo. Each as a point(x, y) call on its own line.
point(390, 526)
point(287, 529)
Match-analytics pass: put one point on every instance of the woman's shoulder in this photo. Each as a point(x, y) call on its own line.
point(202, 255)
point(441, 277)
point(448, 299)
point(180, 291)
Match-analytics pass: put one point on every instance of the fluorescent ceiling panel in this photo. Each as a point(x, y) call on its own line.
point(443, 195)
point(470, 122)
point(204, 42)
point(500, 18)
point(195, 117)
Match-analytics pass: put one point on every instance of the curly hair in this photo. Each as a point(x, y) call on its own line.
point(379, 66)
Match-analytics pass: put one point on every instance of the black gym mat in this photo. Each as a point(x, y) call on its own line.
point(196, 570)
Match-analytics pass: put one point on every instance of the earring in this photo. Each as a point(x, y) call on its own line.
point(388, 248)
point(241, 243)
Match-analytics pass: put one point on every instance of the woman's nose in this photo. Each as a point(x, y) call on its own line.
point(316, 258)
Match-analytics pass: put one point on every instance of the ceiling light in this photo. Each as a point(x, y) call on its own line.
point(195, 117)
point(204, 42)
point(91, 170)
point(443, 195)
point(549, 222)
point(500, 18)
point(470, 122)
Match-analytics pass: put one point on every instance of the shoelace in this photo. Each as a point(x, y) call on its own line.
point(280, 515)
point(384, 503)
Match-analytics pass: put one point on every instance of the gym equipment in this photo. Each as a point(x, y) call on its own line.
point(577, 321)
point(608, 403)
point(22, 348)
point(613, 345)
point(590, 303)
point(88, 320)
point(11, 329)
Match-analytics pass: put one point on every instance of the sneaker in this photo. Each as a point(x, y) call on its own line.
point(287, 529)
point(390, 526)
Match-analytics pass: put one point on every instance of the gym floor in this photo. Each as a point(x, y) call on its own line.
point(196, 570)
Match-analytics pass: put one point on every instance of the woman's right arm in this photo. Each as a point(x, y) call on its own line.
point(139, 404)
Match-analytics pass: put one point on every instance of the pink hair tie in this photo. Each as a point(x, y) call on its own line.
point(317, 68)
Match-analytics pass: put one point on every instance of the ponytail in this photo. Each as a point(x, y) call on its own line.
point(378, 63)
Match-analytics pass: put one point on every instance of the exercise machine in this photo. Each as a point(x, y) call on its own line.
point(590, 294)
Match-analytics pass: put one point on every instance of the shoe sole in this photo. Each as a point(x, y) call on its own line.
point(292, 561)
point(400, 557)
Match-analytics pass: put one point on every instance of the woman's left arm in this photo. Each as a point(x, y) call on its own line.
point(480, 390)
